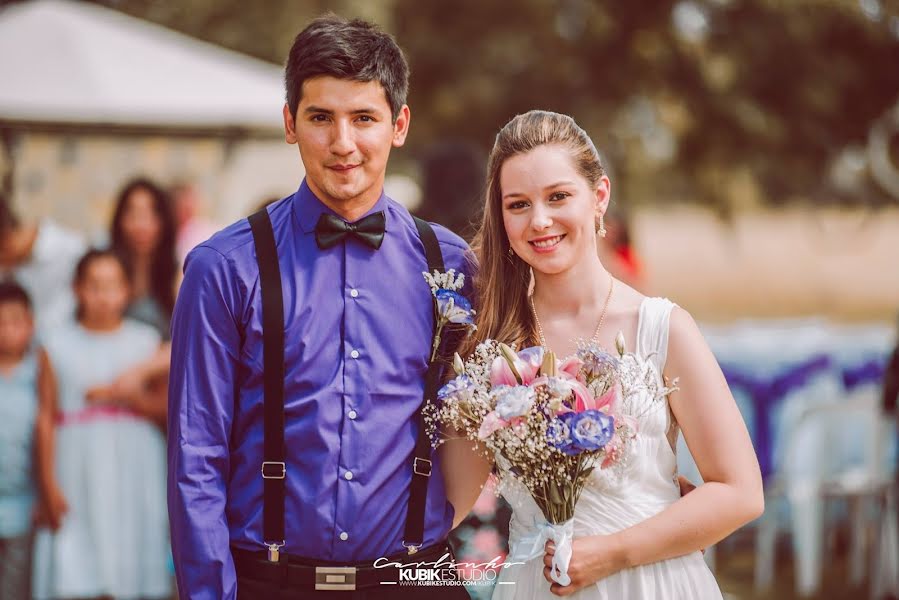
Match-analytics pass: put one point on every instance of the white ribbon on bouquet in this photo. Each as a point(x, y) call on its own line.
point(533, 545)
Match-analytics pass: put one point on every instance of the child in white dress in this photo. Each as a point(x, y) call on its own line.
point(110, 457)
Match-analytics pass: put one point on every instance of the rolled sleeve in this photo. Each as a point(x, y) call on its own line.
point(205, 349)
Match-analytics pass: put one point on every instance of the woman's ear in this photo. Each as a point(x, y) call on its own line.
point(603, 193)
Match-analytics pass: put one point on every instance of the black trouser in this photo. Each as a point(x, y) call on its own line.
point(257, 590)
point(257, 580)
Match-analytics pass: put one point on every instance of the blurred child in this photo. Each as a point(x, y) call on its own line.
point(110, 457)
point(27, 407)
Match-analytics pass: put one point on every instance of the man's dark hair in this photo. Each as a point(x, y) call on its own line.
point(355, 50)
point(11, 291)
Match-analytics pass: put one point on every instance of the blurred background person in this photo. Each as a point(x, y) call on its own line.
point(110, 457)
point(143, 233)
point(617, 250)
point(27, 412)
point(192, 228)
point(453, 176)
point(40, 256)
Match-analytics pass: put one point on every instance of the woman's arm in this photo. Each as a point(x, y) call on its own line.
point(732, 494)
point(130, 387)
point(53, 503)
point(465, 470)
point(152, 402)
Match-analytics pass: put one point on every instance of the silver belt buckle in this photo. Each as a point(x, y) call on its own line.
point(335, 578)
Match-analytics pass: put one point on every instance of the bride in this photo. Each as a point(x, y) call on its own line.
point(541, 282)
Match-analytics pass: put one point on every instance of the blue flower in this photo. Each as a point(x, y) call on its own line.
point(514, 401)
point(558, 434)
point(592, 429)
point(454, 307)
point(460, 387)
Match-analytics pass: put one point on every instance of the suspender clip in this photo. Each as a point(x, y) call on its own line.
point(274, 470)
point(421, 466)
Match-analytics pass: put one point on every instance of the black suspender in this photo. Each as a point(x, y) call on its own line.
point(274, 468)
point(413, 536)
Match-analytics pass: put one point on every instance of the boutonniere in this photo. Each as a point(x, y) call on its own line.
point(451, 306)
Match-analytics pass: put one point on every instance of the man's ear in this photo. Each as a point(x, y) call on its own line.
point(290, 131)
point(401, 126)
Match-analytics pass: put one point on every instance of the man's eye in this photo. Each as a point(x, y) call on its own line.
point(319, 118)
point(366, 119)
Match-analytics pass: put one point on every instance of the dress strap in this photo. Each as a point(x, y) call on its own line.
point(652, 330)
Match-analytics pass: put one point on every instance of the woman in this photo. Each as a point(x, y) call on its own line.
point(635, 536)
point(143, 233)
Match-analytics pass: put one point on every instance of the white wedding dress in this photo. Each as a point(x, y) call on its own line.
point(614, 499)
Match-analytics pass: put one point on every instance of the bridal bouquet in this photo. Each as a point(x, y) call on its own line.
point(548, 423)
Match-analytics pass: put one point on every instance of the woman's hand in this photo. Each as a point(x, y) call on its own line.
point(51, 508)
point(125, 390)
point(593, 558)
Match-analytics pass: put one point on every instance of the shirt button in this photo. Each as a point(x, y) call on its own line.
point(352, 414)
point(354, 354)
point(354, 293)
point(344, 536)
point(348, 475)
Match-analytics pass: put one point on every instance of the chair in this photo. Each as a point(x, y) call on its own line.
point(815, 468)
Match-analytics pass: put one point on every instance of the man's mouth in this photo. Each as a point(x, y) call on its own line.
point(343, 168)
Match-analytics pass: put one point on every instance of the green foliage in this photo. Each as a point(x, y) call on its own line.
point(753, 109)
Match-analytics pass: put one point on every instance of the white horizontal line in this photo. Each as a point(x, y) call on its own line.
point(388, 583)
point(505, 583)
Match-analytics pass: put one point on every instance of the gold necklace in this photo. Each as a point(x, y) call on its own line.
point(602, 317)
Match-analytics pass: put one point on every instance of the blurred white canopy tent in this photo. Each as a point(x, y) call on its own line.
point(90, 97)
point(72, 62)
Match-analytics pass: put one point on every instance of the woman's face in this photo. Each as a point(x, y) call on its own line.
point(103, 291)
point(140, 224)
point(549, 209)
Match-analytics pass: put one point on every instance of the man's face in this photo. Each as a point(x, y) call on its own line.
point(345, 132)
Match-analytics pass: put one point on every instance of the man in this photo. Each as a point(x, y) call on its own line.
point(41, 257)
point(358, 321)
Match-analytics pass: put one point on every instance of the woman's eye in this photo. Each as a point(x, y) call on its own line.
point(559, 196)
point(517, 205)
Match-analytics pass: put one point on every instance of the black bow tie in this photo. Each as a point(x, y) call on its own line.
point(330, 230)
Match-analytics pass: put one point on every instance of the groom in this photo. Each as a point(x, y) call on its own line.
point(255, 515)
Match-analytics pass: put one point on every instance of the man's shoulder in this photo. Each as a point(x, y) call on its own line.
point(447, 238)
point(54, 240)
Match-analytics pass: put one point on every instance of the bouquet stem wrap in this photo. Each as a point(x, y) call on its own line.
point(532, 546)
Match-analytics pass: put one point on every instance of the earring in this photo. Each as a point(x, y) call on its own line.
point(511, 254)
point(601, 230)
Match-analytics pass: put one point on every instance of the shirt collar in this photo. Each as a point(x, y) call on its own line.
point(308, 208)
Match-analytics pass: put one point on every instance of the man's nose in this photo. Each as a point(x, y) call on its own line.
point(342, 143)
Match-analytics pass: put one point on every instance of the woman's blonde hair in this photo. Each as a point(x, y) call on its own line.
point(503, 279)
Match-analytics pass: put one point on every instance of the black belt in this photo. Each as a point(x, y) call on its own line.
point(308, 574)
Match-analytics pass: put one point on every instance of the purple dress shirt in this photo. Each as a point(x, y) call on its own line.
point(358, 326)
